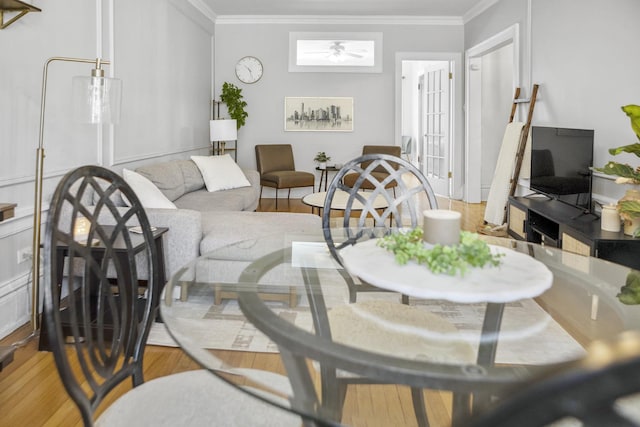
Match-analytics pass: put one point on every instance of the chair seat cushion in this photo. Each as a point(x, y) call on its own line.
point(350, 180)
point(287, 179)
point(192, 398)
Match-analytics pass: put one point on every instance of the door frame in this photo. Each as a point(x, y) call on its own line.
point(473, 172)
point(456, 139)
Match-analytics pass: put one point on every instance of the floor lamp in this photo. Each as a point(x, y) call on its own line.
point(221, 131)
point(96, 99)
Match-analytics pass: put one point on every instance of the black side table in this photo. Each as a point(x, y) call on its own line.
point(324, 174)
point(120, 251)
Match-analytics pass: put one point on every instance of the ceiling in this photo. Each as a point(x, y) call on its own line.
point(457, 8)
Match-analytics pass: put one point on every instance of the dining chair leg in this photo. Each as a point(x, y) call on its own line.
point(289, 194)
point(276, 198)
point(460, 409)
point(419, 407)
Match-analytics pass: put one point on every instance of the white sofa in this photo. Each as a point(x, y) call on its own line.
point(206, 221)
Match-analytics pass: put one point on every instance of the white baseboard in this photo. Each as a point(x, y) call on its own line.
point(15, 304)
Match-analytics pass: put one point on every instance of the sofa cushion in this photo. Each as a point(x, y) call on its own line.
point(220, 172)
point(225, 200)
point(192, 177)
point(150, 196)
point(167, 176)
point(251, 225)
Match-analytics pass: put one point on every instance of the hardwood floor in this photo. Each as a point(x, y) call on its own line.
point(31, 393)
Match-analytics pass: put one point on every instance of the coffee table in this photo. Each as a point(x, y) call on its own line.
point(340, 198)
point(534, 333)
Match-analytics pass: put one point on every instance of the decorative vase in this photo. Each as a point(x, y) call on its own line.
point(631, 225)
point(322, 165)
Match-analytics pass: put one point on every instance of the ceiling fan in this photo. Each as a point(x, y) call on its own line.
point(338, 50)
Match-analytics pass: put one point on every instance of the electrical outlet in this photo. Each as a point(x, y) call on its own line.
point(24, 255)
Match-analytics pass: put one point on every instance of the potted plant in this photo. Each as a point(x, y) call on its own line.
point(321, 159)
point(232, 97)
point(629, 205)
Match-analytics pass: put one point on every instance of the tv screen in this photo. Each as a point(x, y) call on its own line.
point(560, 164)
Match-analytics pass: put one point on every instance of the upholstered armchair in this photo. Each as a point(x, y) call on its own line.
point(378, 173)
point(277, 169)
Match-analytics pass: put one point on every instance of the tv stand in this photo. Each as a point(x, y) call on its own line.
point(554, 223)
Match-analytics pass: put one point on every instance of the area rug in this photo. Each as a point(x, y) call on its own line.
point(532, 336)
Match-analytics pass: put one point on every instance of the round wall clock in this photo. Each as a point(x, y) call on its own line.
point(249, 69)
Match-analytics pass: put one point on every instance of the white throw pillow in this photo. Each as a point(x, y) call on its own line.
point(150, 196)
point(220, 172)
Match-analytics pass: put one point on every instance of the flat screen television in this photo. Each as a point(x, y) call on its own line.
point(561, 161)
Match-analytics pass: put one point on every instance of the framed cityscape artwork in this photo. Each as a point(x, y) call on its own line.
point(311, 114)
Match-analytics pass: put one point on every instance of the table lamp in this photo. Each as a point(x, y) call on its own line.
point(221, 131)
point(96, 99)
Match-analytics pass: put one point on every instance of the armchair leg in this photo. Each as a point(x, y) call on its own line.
point(276, 198)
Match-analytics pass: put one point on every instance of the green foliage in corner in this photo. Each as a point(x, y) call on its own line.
point(232, 97)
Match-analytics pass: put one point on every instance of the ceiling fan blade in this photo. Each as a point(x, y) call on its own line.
point(355, 55)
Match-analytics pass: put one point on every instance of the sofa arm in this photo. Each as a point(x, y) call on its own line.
point(254, 177)
point(182, 241)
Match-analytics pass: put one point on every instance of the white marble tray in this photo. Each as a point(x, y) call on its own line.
point(518, 276)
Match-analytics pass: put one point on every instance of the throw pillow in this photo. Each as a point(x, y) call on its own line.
point(150, 196)
point(220, 172)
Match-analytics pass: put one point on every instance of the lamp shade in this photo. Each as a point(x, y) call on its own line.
point(223, 130)
point(96, 99)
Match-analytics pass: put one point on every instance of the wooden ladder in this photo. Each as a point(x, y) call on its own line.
point(522, 144)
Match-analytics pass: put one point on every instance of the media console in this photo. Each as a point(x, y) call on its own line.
point(557, 224)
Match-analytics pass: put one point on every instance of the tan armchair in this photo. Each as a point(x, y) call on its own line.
point(277, 169)
point(378, 173)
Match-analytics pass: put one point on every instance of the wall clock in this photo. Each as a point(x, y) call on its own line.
point(249, 69)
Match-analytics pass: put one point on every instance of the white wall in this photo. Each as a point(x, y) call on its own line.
point(162, 50)
point(584, 57)
point(581, 54)
point(497, 98)
point(374, 94)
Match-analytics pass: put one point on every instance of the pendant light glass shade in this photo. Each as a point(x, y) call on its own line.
point(96, 99)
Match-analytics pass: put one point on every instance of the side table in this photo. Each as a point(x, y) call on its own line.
point(98, 252)
point(324, 174)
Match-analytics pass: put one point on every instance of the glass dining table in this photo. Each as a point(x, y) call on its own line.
point(475, 335)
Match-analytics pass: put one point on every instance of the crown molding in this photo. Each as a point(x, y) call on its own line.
point(478, 9)
point(338, 19)
point(203, 8)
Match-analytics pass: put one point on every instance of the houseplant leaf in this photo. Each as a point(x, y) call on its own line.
point(619, 169)
point(632, 148)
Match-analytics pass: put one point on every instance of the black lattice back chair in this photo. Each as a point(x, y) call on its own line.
point(103, 317)
point(396, 195)
point(99, 341)
point(413, 194)
point(601, 389)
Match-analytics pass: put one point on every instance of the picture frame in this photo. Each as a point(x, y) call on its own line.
point(318, 114)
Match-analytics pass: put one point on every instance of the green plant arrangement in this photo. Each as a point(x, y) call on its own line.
point(629, 209)
point(232, 97)
point(321, 157)
point(440, 259)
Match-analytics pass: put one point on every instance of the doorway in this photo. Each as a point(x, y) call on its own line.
point(429, 118)
point(491, 79)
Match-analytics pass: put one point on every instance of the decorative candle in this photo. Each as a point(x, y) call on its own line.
point(441, 226)
point(610, 219)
